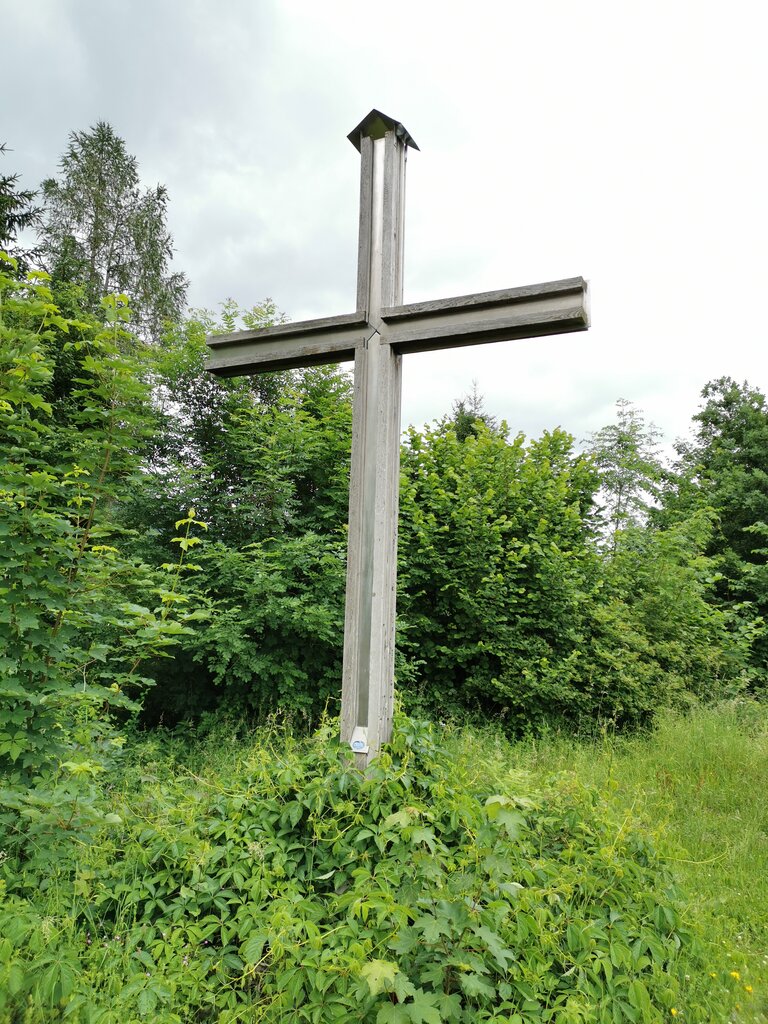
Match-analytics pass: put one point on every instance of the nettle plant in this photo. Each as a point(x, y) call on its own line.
point(78, 621)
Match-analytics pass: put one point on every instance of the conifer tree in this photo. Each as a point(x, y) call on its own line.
point(17, 213)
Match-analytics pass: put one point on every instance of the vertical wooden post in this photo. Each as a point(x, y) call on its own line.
point(369, 634)
point(377, 335)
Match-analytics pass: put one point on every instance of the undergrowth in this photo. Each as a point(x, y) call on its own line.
point(274, 882)
point(702, 779)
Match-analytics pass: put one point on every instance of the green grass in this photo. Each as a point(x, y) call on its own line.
point(697, 784)
point(703, 778)
point(700, 778)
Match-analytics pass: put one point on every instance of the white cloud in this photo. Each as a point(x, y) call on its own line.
point(557, 139)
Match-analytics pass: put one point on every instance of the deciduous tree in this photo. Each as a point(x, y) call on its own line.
point(102, 230)
point(78, 619)
point(724, 467)
point(627, 455)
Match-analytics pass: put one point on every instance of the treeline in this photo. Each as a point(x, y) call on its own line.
point(174, 544)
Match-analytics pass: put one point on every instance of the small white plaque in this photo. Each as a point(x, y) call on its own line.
point(359, 741)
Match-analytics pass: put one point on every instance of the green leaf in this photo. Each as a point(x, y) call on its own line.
point(501, 953)
point(639, 998)
point(393, 1013)
point(380, 975)
point(147, 1001)
point(423, 1009)
point(432, 927)
point(252, 950)
point(502, 809)
point(404, 987)
point(15, 980)
point(143, 957)
point(475, 985)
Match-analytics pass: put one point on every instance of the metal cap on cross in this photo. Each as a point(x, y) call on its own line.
point(376, 336)
point(376, 125)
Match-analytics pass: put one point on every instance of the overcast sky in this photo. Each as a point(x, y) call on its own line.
point(622, 142)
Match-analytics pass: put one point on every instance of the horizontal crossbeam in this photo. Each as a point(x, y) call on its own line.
point(532, 311)
point(556, 307)
point(332, 339)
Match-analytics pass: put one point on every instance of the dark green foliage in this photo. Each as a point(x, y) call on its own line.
point(275, 642)
point(496, 572)
point(17, 213)
point(725, 468)
point(675, 642)
point(265, 461)
point(103, 233)
point(507, 607)
point(469, 416)
point(258, 457)
point(291, 886)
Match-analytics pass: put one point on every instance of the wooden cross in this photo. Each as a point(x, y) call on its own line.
point(376, 336)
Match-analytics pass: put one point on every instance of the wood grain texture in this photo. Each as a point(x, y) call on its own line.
point(287, 346)
point(430, 337)
point(365, 224)
point(369, 633)
point(548, 290)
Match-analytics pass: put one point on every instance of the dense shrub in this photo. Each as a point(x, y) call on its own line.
point(494, 570)
point(78, 618)
point(275, 642)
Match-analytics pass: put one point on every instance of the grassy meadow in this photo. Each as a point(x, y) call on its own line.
point(702, 782)
point(259, 878)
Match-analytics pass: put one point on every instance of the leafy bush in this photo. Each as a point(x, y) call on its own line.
point(665, 582)
point(293, 887)
point(265, 461)
point(509, 608)
point(275, 642)
point(497, 575)
point(77, 618)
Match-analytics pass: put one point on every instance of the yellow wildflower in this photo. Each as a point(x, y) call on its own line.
point(736, 975)
point(748, 988)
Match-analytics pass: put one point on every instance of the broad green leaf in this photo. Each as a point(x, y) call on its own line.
point(380, 975)
point(423, 1009)
point(475, 985)
point(393, 1013)
point(252, 949)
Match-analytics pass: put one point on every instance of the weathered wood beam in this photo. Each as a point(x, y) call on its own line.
point(287, 346)
point(369, 631)
point(556, 307)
